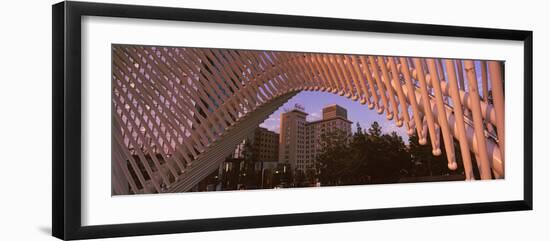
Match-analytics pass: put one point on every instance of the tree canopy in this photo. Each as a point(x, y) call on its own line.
point(373, 156)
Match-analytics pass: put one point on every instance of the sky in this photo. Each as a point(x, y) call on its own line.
point(314, 101)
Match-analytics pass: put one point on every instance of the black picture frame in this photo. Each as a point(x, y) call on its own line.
point(66, 129)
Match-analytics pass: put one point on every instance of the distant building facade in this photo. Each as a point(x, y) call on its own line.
point(301, 141)
point(266, 144)
point(263, 146)
point(292, 140)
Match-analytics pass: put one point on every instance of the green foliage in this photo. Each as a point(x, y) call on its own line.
point(336, 162)
point(377, 157)
point(426, 164)
point(370, 157)
point(375, 129)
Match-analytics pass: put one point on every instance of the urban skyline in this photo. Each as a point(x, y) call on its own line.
point(313, 103)
point(301, 141)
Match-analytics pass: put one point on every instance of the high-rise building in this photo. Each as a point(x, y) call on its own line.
point(301, 141)
point(263, 147)
point(333, 111)
point(292, 146)
point(266, 144)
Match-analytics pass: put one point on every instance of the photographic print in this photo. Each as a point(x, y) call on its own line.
point(188, 119)
point(175, 120)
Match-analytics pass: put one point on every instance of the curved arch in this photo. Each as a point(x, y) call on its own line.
point(176, 110)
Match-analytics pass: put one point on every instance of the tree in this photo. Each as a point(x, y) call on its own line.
point(311, 174)
point(377, 157)
point(332, 163)
point(426, 164)
point(358, 130)
point(389, 156)
point(299, 178)
point(360, 153)
point(375, 129)
point(370, 157)
point(248, 175)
